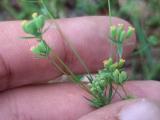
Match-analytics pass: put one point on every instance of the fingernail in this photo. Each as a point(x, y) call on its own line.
point(141, 110)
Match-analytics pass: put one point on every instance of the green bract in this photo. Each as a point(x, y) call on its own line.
point(42, 49)
point(30, 27)
point(35, 25)
point(39, 21)
point(119, 77)
point(108, 62)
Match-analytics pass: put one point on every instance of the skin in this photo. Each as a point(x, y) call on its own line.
point(24, 92)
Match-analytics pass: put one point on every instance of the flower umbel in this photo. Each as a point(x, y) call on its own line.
point(118, 35)
point(112, 73)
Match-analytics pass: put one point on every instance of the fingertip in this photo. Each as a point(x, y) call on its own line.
point(138, 109)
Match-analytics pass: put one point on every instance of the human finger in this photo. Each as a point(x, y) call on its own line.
point(63, 101)
point(87, 34)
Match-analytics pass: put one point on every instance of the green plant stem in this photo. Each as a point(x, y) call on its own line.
point(73, 77)
point(64, 65)
point(67, 41)
point(110, 24)
point(68, 71)
point(74, 50)
point(56, 65)
point(110, 14)
point(40, 38)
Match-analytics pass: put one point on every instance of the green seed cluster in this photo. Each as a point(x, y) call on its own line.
point(112, 73)
point(35, 27)
point(118, 35)
point(41, 49)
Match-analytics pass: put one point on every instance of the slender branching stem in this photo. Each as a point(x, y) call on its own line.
point(67, 41)
point(110, 24)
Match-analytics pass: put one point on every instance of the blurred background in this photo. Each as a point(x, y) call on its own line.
point(144, 62)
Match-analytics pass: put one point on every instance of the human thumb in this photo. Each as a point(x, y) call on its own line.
point(141, 109)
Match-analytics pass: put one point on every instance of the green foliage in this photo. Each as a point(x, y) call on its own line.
point(112, 73)
point(35, 28)
point(105, 78)
point(42, 49)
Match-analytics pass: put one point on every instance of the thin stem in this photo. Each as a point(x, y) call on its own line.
point(56, 56)
point(74, 50)
point(56, 65)
point(125, 92)
point(72, 77)
point(61, 62)
point(64, 65)
point(116, 91)
point(110, 14)
point(67, 41)
point(110, 24)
